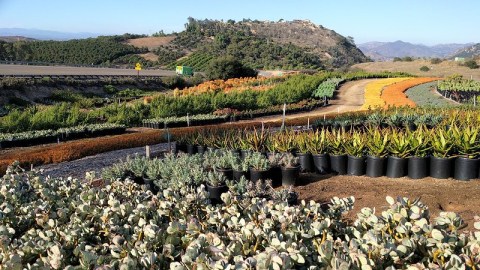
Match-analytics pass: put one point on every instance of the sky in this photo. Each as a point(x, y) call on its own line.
point(427, 22)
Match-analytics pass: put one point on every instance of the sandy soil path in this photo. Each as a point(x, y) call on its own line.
point(349, 97)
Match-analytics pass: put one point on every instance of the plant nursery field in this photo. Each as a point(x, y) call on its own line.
point(392, 186)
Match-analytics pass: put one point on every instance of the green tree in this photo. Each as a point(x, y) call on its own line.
point(228, 67)
point(472, 64)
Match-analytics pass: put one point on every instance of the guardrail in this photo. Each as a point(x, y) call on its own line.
point(84, 77)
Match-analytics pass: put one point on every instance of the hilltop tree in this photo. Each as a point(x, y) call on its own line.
point(228, 67)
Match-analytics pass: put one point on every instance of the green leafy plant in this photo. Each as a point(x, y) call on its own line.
point(466, 141)
point(442, 142)
point(377, 141)
point(316, 142)
point(399, 144)
point(356, 144)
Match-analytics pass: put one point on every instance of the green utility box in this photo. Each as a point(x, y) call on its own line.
point(184, 70)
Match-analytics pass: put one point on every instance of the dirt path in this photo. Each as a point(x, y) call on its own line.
point(349, 98)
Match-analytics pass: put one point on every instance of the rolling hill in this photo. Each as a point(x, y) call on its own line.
point(468, 52)
point(294, 44)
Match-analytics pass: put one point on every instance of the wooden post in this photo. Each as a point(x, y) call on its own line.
point(147, 151)
point(283, 117)
point(308, 123)
point(188, 120)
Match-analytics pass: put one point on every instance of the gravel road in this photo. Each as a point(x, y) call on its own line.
point(6, 69)
point(77, 168)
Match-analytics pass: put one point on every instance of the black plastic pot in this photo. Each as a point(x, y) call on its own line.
point(228, 173)
point(356, 165)
point(396, 167)
point(441, 168)
point(201, 149)
point(244, 153)
point(321, 162)
point(151, 186)
point(238, 174)
point(418, 167)
point(465, 168)
point(256, 175)
point(375, 166)
point(275, 174)
point(191, 149)
point(290, 175)
point(338, 164)
point(216, 192)
point(306, 162)
point(292, 198)
point(180, 147)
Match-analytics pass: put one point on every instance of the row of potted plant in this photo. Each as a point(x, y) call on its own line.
point(219, 171)
point(63, 134)
point(334, 149)
point(408, 119)
point(183, 121)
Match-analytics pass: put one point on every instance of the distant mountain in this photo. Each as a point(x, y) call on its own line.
point(388, 50)
point(15, 38)
point(44, 34)
point(468, 52)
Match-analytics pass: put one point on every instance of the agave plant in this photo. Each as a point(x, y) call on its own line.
point(256, 139)
point(356, 144)
point(399, 145)
point(284, 141)
point(442, 142)
point(336, 141)
point(377, 141)
point(419, 141)
point(316, 143)
point(466, 141)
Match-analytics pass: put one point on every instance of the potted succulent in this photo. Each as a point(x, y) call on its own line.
point(275, 174)
point(286, 195)
point(290, 169)
point(200, 143)
point(317, 145)
point(338, 158)
point(355, 149)
point(256, 139)
point(467, 147)
point(216, 185)
point(284, 141)
point(240, 168)
point(181, 144)
point(190, 141)
point(259, 166)
point(224, 164)
point(441, 161)
point(302, 143)
point(418, 162)
point(376, 148)
point(399, 149)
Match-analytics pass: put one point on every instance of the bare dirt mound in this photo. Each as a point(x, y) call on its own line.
point(150, 42)
point(149, 56)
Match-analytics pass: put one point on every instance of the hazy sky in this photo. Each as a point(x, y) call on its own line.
point(417, 21)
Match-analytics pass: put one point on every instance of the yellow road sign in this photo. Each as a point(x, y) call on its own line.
point(138, 66)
